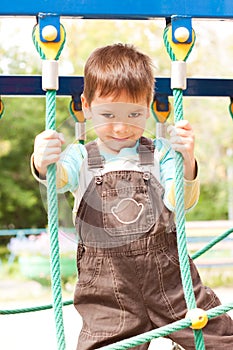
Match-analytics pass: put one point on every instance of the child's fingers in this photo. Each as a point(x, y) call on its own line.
point(48, 159)
point(174, 131)
point(61, 137)
point(183, 124)
point(49, 138)
point(182, 128)
point(51, 134)
point(45, 156)
point(47, 149)
point(48, 134)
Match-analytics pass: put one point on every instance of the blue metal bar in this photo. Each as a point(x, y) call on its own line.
point(214, 265)
point(22, 232)
point(127, 9)
point(73, 86)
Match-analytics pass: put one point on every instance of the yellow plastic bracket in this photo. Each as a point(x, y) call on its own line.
point(78, 114)
point(1, 108)
point(231, 108)
point(180, 50)
point(50, 49)
point(198, 318)
point(160, 116)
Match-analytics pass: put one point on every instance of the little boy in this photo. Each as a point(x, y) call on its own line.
point(123, 185)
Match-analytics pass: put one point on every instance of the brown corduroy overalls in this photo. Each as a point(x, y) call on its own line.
point(129, 278)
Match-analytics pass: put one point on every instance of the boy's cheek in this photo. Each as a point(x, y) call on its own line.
point(138, 130)
point(101, 129)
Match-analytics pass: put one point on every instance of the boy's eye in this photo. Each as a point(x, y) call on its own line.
point(108, 115)
point(135, 115)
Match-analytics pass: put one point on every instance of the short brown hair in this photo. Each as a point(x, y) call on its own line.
point(119, 67)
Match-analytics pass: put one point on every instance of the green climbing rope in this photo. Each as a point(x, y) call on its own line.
point(179, 195)
point(53, 227)
point(33, 308)
point(52, 51)
point(212, 243)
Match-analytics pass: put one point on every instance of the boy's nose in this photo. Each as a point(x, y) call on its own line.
point(120, 128)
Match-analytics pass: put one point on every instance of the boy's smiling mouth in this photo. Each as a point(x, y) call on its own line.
point(120, 139)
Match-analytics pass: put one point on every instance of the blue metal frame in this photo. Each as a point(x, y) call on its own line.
point(73, 86)
point(128, 9)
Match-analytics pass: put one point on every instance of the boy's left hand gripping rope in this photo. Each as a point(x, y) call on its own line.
point(49, 52)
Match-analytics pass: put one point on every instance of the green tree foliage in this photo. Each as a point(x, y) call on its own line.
point(20, 204)
point(212, 204)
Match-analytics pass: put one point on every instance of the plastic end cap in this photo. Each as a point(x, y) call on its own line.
point(49, 33)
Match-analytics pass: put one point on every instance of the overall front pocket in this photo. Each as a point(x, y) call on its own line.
point(127, 211)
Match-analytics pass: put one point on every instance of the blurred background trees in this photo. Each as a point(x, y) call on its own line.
point(21, 204)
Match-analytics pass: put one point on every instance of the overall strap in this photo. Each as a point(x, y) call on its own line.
point(95, 160)
point(146, 151)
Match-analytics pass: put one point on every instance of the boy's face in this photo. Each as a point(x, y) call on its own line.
point(118, 123)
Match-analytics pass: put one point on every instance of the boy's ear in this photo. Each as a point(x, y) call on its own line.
point(148, 112)
point(84, 101)
point(85, 107)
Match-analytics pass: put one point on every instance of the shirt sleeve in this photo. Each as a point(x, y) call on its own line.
point(167, 173)
point(68, 168)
